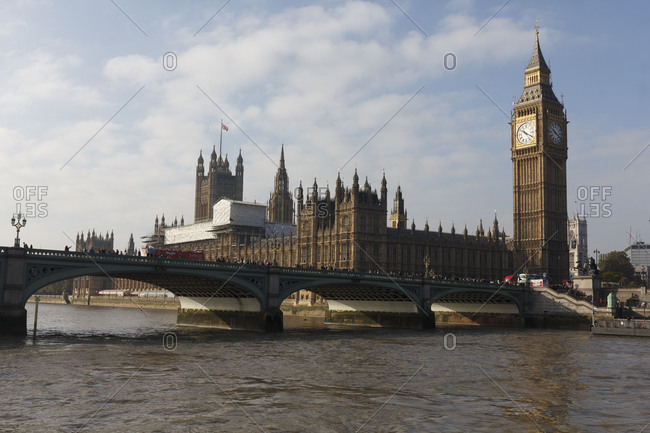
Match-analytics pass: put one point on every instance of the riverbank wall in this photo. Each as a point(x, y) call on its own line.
point(111, 301)
point(288, 307)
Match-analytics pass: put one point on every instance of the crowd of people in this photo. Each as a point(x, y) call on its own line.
point(577, 294)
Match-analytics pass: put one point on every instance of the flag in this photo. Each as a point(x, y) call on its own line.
point(224, 126)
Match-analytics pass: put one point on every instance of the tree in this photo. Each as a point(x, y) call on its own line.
point(613, 277)
point(617, 268)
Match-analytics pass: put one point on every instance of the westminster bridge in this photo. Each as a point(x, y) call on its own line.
point(249, 296)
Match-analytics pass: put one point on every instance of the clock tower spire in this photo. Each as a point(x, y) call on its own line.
point(539, 153)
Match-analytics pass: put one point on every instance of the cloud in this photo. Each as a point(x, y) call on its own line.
point(321, 79)
point(43, 76)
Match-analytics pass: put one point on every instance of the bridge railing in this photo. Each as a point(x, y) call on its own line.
point(235, 267)
point(118, 258)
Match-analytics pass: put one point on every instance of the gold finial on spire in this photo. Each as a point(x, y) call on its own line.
point(536, 28)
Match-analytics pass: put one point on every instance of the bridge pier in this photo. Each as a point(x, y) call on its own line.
point(274, 320)
point(13, 316)
point(429, 320)
point(13, 322)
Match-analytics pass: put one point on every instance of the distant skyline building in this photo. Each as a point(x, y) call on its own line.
point(93, 241)
point(91, 285)
point(578, 248)
point(639, 255)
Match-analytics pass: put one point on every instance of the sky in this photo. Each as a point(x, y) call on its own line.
point(105, 105)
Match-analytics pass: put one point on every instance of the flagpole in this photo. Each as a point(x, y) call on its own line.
point(220, 136)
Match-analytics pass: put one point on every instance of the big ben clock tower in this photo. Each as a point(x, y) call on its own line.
point(539, 153)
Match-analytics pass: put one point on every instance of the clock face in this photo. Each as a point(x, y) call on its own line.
point(526, 133)
point(555, 132)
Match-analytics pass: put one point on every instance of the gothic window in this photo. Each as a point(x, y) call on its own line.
point(362, 223)
point(305, 254)
point(344, 252)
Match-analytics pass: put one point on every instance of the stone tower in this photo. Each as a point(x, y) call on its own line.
point(398, 213)
point(539, 153)
point(280, 209)
point(130, 249)
point(217, 184)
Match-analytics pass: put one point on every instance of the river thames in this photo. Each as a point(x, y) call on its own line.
point(102, 369)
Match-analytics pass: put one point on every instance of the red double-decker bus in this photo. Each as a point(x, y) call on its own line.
point(175, 254)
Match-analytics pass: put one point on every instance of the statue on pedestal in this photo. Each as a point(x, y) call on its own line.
point(593, 267)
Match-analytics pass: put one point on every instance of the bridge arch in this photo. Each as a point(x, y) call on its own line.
point(197, 282)
point(355, 288)
point(361, 299)
point(480, 295)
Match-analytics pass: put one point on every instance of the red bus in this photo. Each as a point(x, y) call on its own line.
point(174, 254)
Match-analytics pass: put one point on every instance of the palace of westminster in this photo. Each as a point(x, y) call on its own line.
point(347, 228)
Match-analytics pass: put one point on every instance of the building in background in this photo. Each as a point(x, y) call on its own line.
point(347, 228)
point(90, 285)
point(237, 230)
point(639, 255)
point(280, 206)
point(218, 183)
point(578, 249)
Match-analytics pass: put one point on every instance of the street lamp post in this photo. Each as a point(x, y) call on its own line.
point(597, 253)
point(16, 222)
point(427, 262)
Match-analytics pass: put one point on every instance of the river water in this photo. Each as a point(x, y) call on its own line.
point(101, 369)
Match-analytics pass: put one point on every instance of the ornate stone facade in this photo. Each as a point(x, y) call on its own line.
point(217, 184)
point(346, 231)
point(349, 231)
point(280, 207)
point(539, 155)
point(91, 285)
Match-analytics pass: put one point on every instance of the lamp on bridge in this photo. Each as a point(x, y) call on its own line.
point(427, 262)
point(16, 222)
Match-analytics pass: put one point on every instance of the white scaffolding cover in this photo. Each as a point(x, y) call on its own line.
point(230, 212)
